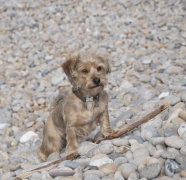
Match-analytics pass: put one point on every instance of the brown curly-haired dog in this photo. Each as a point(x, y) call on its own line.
point(75, 113)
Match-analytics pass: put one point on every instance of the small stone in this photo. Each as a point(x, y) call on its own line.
point(108, 168)
point(62, 171)
point(177, 122)
point(182, 129)
point(7, 175)
point(163, 95)
point(72, 164)
point(57, 79)
point(4, 126)
point(183, 97)
point(174, 114)
point(120, 160)
point(151, 160)
point(173, 99)
point(158, 140)
point(183, 150)
point(106, 148)
point(126, 169)
point(118, 176)
point(182, 115)
point(183, 164)
point(91, 177)
point(85, 147)
point(30, 135)
point(169, 132)
point(41, 101)
point(183, 173)
point(174, 141)
point(140, 156)
point(120, 142)
point(137, 138)
point(94, 172)
point(133, 176)
point(99, 160)
point(171, 167)
point(151, 171)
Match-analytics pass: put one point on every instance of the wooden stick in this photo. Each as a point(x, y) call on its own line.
point(51, 164)
point(137, 123)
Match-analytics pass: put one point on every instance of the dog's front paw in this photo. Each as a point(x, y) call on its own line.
point(71, 150)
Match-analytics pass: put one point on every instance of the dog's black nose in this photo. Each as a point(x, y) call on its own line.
point(96, 81)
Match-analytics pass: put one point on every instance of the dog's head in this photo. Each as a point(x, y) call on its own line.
point(87, 71)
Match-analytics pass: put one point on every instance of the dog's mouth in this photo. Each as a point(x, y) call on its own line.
point(96, 86)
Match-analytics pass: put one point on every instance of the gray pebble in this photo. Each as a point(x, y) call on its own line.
point(151, 171)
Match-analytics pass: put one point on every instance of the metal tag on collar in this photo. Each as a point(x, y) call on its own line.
point(89, 99)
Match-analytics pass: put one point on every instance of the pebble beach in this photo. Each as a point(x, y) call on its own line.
point(146, 43)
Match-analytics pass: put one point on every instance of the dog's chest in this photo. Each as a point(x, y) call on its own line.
point(90, 113)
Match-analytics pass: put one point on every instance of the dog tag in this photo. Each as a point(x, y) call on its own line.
point(89, 99)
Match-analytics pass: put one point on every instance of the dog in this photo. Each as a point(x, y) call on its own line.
point(76, 112)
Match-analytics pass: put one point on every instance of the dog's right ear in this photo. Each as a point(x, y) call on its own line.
point(70, 65)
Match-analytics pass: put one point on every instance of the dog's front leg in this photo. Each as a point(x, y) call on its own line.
point(71, 140)
point(105, 124)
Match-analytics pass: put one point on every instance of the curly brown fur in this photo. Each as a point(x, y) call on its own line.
point(71, 119)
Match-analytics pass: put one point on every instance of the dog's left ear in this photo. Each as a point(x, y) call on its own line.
point(105, 60)
point(70, 65)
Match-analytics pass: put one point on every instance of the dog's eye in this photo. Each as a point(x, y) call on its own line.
point(99, 68)
point(84, 71)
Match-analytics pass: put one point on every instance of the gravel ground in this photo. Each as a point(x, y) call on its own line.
point(147, 43)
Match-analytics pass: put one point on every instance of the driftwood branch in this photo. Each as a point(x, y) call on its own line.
point(51, 164)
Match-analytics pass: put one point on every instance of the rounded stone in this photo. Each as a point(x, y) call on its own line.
point(91, 177)
point(182, 129)
point(30, 135)
point(120, 142)
point(99, 160)
point(183, 150)
point(108, 168)
point(151, 171)
point(62, 171)
point(174, 141)
point(126, 169)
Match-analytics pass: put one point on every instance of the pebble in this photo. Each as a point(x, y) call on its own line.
point(118, 176)
point(63, 171)
point(183, 150)
point(30, 135)
point(182, 129)
point(120, 160)
point(95, 172)
point(183, 97)
point(99, 160)
point(151, 171)
point(170, 132)
point(106, 148)
point(126, 169)
point(120, 142)
point(91, 177)
point(173, 99)
point(174, 141)
point(108, 168)
point(171, 167)
point(72, 164)
point(183, 173)
point(7, 175)
point(85, 147)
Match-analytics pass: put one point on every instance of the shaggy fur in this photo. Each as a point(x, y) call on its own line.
point(70, 118)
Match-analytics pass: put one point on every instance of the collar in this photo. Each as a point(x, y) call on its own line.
point(87, 99)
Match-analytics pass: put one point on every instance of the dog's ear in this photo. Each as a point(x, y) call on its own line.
point(105, 60)
point(69, 65)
